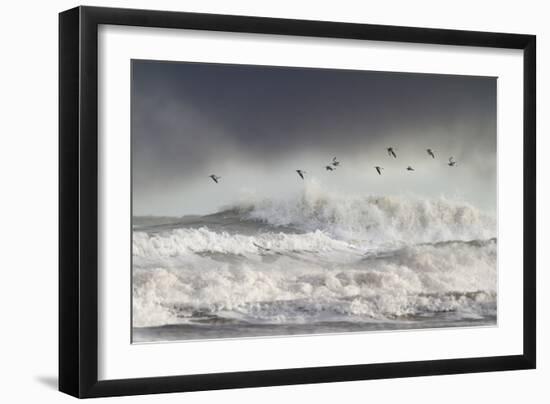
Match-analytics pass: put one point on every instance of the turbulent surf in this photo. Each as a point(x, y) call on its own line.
point(315, 263)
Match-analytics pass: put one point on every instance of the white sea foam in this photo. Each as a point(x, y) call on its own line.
point(378, 219)
point(202, 240)
point(285, 288)
point(318, 257)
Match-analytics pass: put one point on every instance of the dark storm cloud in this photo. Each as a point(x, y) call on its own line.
point(189, 119)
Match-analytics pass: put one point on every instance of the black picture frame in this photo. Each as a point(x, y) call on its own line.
point(78, 201)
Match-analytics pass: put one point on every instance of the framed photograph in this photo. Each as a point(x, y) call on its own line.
point(251, 201)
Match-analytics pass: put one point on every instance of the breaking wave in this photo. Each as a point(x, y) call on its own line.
point(318, 258)
point(379, 219)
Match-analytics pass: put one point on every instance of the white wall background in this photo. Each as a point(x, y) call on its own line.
point(28, 173)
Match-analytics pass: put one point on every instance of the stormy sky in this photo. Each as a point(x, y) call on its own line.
point(255, 125)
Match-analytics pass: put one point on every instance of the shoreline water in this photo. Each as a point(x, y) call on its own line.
point(198, 332)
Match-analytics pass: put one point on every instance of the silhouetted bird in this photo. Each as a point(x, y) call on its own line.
point(391, 152)
point(329, 168)
point(379, 170)
point(431, 153)
point(409, 168)
point(335, 162)
point(215, 178)
point(301, 173)
point(451, 162)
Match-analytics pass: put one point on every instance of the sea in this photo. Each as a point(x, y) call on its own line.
point(314, 263)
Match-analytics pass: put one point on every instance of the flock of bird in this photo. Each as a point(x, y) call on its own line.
point(335, 164)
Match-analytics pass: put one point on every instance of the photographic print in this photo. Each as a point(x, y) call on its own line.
point(275, 201)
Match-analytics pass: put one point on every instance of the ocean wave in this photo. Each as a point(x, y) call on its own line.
point(457, 277)
point(180, 242)
point(317, 257)
point(377, 219)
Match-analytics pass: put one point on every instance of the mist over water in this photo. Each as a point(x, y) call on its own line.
point(255, 125)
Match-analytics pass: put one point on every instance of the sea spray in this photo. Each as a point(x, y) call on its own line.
point(378, 219)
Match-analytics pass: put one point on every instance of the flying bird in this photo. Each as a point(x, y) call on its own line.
point(335, 162)
point(301, 173)
point(215, 178)
point(391, 152)
point(379, 170)
point(409, 168)
point(431, 153)
point(329, 168)
point(451, 162)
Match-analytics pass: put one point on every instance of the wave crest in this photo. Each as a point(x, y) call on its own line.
point(452, 277)
point(378, 219)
